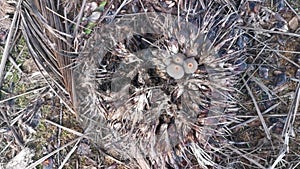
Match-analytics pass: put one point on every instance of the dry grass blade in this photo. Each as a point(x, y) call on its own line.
point(292, 9)
point(69, 155)
point(261, 118)
point(16, 136)
point(266, 89)
point(281, 51)
point(254, 118)
point(36, 163)
point(271, 31)
point(288, 126)
point(251, 75)
point(244, 155)
point(120, 7)
point(13, 28)
point(80, 17)
point(65, 128)
point(280, 157)
point(23, 94)
point(270, 48)
point(15, 65)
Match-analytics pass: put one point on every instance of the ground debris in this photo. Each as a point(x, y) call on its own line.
point(21, 160)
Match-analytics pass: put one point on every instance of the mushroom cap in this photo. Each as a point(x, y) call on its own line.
point(190, 65)
point(178, 59)
point(166, 61)
point(176, 71)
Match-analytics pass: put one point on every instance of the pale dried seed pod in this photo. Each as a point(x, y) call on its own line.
point(190, 65)
point(176, 71)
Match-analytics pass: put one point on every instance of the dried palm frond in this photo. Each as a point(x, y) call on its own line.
point(49, 43)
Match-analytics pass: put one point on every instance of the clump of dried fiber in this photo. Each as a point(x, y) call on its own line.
point(160, 96)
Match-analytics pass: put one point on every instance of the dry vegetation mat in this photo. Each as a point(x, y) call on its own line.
point(150, 84)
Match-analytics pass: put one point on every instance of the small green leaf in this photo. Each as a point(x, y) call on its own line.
point(88, 31)
point(89, 28)
point(102, 5)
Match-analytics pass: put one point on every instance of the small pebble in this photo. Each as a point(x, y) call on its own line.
point(294, 23)
point(280, 79)
point(263, 72)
